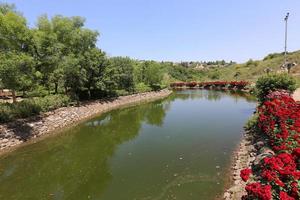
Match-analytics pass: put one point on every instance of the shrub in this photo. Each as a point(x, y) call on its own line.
point(25, 108)
point(5, 112)
point(142, 87)
point(252, 123)
point(51, 102)
point(31, 107)
point(273, 82)
point(39, 91)
point(122, 92)
point(156, 87)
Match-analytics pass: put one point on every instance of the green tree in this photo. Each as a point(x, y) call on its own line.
point(48, 53)
point(16, 66)
point(14, 33)
point(94, 63)
point(16, 71)
point(73, 75)
point(5, 8)
point(152, 74)
point(121, 73)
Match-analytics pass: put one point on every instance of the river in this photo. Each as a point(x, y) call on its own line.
point(176, 148)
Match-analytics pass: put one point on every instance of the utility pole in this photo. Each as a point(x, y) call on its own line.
point(285, 39)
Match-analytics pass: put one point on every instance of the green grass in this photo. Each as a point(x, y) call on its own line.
point(251, 71)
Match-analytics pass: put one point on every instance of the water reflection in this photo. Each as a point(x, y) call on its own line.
point(75, 165)
point(214, 95)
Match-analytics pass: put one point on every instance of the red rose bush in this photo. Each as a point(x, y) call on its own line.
point(278, 176)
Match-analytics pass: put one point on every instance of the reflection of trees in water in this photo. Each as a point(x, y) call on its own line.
point(242, 95)
point(212, 95)
point(74, 165)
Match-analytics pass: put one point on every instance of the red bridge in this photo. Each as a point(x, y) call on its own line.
point(238, 85)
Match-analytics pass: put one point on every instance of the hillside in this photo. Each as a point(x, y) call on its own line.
point(251, 70)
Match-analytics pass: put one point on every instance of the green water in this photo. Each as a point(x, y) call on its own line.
point(176, 148)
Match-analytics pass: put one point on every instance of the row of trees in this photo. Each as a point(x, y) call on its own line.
point(59, 55)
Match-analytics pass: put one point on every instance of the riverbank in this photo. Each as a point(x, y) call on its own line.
point(243, 157)
point(15, 133)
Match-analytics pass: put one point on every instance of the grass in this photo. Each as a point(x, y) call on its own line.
point(252, 70)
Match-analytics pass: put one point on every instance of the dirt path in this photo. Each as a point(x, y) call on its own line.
point(296, 95)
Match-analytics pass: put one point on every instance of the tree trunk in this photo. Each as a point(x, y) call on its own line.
point(89, 93)
point(66, 90)
point(56, 87)
point(13, 92)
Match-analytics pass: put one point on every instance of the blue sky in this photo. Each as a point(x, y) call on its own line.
point(180, 30)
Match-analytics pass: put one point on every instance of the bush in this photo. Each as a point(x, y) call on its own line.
point(122, 92)
point(142, 87)
point(9, 112)
point(39, 91)
point(51, 102)
point(31, 107)
point(156, 87)
point(252, 124)
point(25, 108)
point(273, 82)
point(6, 113)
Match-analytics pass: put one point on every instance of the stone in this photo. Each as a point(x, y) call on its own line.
point(260, 157)
point(258, 145)
point(234, 189)
point(266, 150)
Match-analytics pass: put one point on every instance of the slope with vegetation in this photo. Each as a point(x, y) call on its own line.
point(253, 69)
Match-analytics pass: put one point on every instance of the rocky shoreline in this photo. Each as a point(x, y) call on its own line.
point(251, 150)
point(15, 133)
point(243, 156)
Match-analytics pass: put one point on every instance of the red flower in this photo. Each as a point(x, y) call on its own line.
point(285, 196)
point(296, 153)
point(256, 190)
point(245, 174)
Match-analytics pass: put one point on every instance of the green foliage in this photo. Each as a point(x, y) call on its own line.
point(215, 74)
point(121, 74)
point(31, 107)
point(51, 102)
point(252, 124)
point(5, 8)
point(142, 87)
point(273, 55)
point(251, 63)
point(14, 33)
point(151, 74)
point(121, 93)
point(38, 91)
point(6, 112)
point(9, 112)
point(273, 82)
point(16, 70)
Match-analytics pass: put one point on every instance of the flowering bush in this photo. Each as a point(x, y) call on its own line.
point(279, 120)
point(274, 82)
